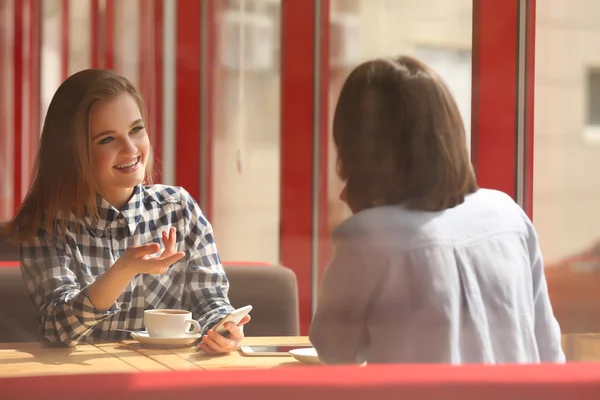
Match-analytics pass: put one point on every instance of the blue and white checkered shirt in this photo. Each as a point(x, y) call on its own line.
point(58, 272)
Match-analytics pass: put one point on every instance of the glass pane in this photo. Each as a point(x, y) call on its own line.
point(79, 35)
point(127, 31)
point(50, 74)
point(566, 194)
point(246, 98)
point(6, 109)
point(436, 32)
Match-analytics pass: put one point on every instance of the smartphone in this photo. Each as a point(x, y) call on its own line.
point(234, 317)
point(265, 351)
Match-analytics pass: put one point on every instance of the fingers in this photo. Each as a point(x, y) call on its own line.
point(156, 270)
point(219, 344)
point(235, 332)
point(204, 347)
point(169, 239)
point(245, 320)
point(212, 346)
point(144, 249)
point(168, 260)
point(172, 239)
point(167, 251)
point(161, 265)
point(146, 258)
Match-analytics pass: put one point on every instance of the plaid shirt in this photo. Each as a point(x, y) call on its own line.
point(58, 272)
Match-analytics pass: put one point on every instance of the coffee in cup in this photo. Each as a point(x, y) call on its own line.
point(170, 323)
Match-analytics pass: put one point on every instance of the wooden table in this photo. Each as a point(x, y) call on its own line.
point(27, 359)
point(582, 347)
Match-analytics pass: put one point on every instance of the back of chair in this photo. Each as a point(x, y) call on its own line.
point(17, 313)
point(575, 298)
point(272, 291)
point(8, 251)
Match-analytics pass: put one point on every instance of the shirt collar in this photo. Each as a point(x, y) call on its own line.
point(107, 213)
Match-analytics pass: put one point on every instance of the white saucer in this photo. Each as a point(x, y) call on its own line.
point(143, 338)
point(306, 355)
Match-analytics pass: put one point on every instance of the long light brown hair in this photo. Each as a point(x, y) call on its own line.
point(63, 177)
point(400, 138)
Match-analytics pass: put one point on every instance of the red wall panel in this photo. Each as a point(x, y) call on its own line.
point(494, 93)
point(187, 144)
point(297, 75)
point(298, 94)
point(157, 77)
point(18, 80)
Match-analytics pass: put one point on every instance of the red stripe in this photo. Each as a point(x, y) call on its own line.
point(257, 263)
point(494, 93)
point(297, 76)
point(5, 108)
point(187, 142)
point(9, 264)
point(18, 102)
point(529, 130)
point(297, 382)
point(157, 19)
point(64, 35)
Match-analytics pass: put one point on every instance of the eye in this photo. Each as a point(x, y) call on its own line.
point(137, 129)
point(107, 139)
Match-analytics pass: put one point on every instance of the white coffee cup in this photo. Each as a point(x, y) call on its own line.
point(168, 323)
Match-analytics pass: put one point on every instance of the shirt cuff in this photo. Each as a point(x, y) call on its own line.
point(85, 311)
point(213, 317)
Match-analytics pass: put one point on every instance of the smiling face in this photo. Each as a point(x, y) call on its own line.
point(120, 147)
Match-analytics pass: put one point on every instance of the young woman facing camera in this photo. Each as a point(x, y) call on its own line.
point(91, 231)
point(430, 268)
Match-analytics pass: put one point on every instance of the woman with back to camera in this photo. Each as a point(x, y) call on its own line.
point(430, 268)
point(90, 231)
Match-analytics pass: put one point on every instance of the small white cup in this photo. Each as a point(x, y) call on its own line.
point(170, 323)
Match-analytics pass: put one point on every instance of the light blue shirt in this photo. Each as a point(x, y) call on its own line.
point(464, 285)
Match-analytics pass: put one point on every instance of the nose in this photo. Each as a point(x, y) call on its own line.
point(129, 147)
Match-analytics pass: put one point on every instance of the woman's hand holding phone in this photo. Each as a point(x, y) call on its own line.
point(227, 335)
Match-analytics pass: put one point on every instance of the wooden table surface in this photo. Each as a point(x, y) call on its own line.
point(27, 359)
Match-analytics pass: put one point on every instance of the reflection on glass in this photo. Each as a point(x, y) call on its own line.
point(566, 192)
point(50, 73)
point(437, 32)
point(79, 35)
point(6, 110)
point(246, 131)
point(567, 127)
point(127, 30)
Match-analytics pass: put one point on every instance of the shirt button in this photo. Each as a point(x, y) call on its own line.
point(123, 306)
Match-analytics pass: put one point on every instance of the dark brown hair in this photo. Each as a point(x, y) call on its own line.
point(63, 178)
point(400, 138)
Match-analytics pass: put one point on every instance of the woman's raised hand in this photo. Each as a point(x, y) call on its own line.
point(144, 260)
